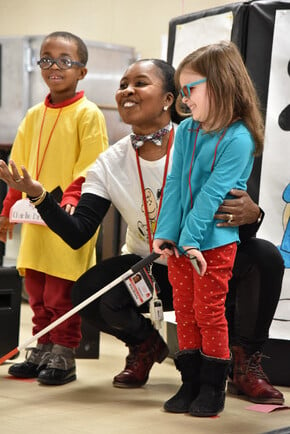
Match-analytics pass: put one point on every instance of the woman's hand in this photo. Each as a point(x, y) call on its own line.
point(239, 211)
point(22, 183)
point(195, 253)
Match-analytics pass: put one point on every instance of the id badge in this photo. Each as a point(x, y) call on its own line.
point(140, 287)
point(156, 310)
point(24, 212)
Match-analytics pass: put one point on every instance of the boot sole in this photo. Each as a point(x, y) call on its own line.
point(234, 390)
point(211, 414)
point(129, 386)
point(55, 383)
point(22, 376)
point(175, 410)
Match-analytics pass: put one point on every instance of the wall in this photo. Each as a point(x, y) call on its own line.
point(136, 23)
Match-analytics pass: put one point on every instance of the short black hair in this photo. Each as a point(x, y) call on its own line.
point(81, 46)
point(166, 72)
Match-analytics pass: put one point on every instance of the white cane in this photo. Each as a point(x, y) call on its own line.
point(133, 270)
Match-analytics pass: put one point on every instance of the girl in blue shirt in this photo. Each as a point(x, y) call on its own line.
point(214, 152)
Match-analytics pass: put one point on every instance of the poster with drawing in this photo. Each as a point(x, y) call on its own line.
point(275, 179)
point(203, 31)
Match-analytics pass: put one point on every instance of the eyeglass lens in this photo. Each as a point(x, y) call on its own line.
point(186, 89)
point(61, 62)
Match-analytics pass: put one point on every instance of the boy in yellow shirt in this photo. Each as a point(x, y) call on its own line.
point(57, 140)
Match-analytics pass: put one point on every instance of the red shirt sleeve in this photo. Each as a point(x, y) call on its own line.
point(72, 194)
point(12, 196)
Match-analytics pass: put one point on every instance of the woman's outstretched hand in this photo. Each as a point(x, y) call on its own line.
point(19, 182)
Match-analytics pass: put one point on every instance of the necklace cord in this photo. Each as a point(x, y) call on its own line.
point(150, 235)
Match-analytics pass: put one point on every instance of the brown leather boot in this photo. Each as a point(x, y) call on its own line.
point(140, 360)
point(250, 380)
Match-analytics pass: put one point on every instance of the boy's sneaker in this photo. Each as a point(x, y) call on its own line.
point(60, 368)
point(35, 360)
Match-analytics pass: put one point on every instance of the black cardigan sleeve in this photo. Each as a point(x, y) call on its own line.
point(249, 231)
point(78, 228)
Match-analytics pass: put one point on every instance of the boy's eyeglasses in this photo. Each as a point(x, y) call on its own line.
point(185, 90)
point(61, 62)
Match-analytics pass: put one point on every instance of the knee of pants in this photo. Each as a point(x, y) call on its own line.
point(213, 316)
point(114, 303)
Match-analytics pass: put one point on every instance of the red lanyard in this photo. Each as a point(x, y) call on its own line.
point(150, 235)
point(193, 152)
point(39, 167)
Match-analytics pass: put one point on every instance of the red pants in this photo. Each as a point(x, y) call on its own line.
point(199, 302)
point(50, 298)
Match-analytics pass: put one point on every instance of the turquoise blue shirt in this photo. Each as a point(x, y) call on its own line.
point(195, 226)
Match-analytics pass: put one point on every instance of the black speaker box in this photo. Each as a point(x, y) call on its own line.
point(10, 302)
point(89, 345)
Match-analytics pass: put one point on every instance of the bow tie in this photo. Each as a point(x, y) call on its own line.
point(137, 140)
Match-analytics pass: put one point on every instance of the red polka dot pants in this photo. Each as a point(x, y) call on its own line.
point(199, 301)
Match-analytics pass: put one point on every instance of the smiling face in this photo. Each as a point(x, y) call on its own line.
point(62, 83)
point(141, 98)
point(198, 101)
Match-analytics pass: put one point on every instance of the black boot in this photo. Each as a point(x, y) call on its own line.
point(188, 363)
point(35, 360)
point(60, 368)
point(211, 398)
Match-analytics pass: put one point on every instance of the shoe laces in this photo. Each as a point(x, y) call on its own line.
point(59, 361)
point(253, 365)
point(33, 355)
point(45, 358)
point(132, 357)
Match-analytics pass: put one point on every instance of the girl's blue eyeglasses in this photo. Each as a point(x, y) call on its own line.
point(185, 90)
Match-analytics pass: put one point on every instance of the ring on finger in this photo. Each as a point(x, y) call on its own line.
point(18, 180)
point(231, 218)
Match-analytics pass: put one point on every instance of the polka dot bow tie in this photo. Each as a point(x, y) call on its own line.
point(138, 140)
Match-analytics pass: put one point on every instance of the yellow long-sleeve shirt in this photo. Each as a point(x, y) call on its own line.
point(57, 145)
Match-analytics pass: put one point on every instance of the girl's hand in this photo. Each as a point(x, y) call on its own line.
point(191, 251)
point(164, 253)
point(22, 183)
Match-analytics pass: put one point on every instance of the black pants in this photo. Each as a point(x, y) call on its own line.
point(254, 292)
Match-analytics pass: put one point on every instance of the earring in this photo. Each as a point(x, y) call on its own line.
point(165, 108)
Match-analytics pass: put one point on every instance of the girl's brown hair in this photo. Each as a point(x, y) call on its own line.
point(232, 95)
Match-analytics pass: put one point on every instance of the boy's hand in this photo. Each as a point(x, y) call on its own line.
point(70, 209)
point(5, 227)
